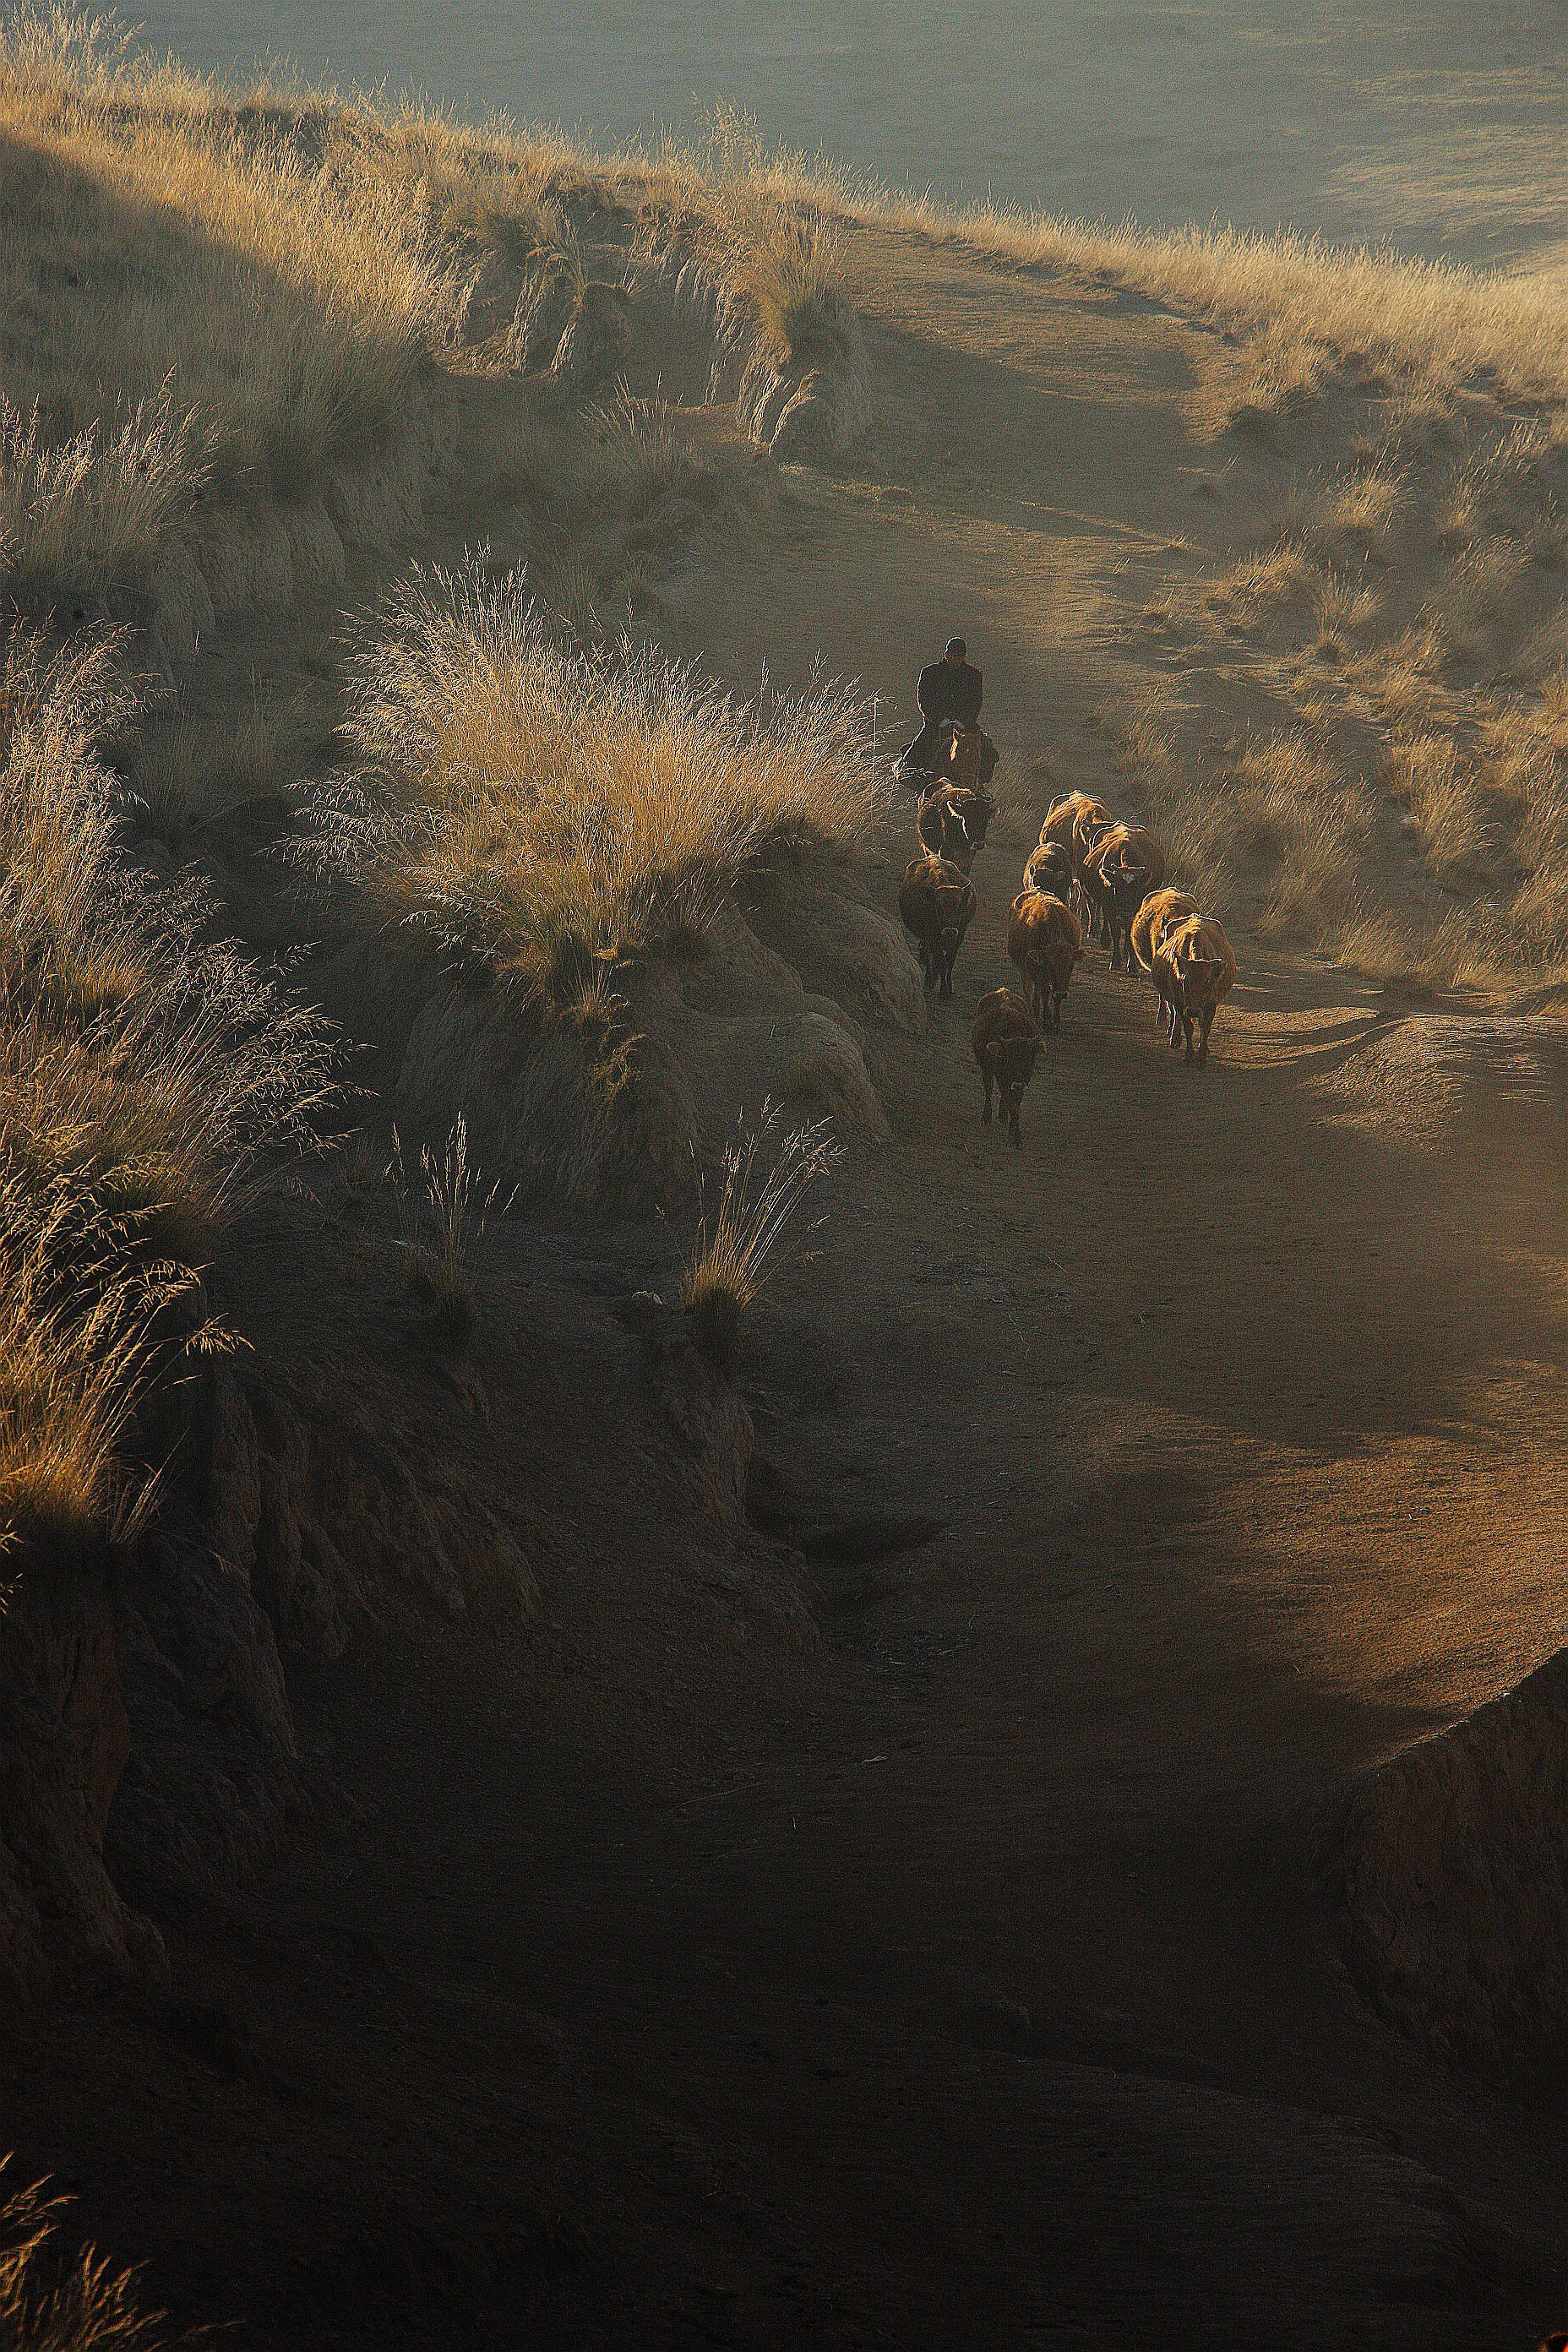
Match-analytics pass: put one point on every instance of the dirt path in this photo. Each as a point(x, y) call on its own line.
point(977, 1995)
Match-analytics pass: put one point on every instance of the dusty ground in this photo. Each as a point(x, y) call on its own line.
point(964, 1983)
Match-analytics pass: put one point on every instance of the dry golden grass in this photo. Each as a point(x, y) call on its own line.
point(765, 1175)
point(51, 2301)
point(186, 299)
point(774, 260)
point(145, 1078)
point(547, 805)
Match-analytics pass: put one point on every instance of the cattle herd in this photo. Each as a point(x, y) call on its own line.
point(1088, 868)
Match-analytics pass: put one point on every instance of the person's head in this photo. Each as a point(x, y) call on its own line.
point(955, 652)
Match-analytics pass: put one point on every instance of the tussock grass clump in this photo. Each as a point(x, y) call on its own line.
point(548, 805)
point(80, 515)
point(1451, 811)
point(763, 1177)
point(54, 2301)
point(779, 261)
point(146, 1079)
point(79, 1324)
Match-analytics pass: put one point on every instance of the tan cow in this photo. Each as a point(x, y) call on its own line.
point(937, 902)
point(1045, 942)
point(1160, 910)
point(1071, 821)
point(1006, 1044)
point(1195, 972)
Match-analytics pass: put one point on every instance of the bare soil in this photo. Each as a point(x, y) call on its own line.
point(661, 1976)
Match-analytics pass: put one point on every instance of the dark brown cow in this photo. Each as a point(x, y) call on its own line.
point(937, 902)
point(952, 822)
point(1006, 1045)
point(1122, 866)
point(1050, 869)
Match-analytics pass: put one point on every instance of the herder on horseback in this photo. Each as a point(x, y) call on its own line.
point(949, 693)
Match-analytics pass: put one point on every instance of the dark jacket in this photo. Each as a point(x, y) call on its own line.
point(945, 693)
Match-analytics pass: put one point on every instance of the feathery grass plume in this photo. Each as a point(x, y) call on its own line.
point(80, 515)
point(78, 1348)
point(52, 2301)
point(443, 1215)
point(548, 805)
point(765, 1176)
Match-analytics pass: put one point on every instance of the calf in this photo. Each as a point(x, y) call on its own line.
point(952, 821)
point(1006, 1045)
point(1122, 867)
point(1045, 941)
point(1195, 972)
point(1160, 912)
point(937, 902)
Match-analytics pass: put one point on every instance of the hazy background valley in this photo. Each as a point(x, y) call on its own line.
point(1440, 126)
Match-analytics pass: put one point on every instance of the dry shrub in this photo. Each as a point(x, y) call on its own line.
point(548, 805)
point(54, 2301)
point(764, 1177)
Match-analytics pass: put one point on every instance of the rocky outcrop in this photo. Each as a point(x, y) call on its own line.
point(814, 402)
point(1447, 1882)
point(594, 340)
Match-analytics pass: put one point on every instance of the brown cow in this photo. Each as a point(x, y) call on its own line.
point(952, 821)
point(937, 902)
point(1072, 821)
point(1063, 815)
point(1160, 910)
point(1123, 865)
point(1197, 972)
point(1006, 1046)
point(1050, 869)
point(1045, 941)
